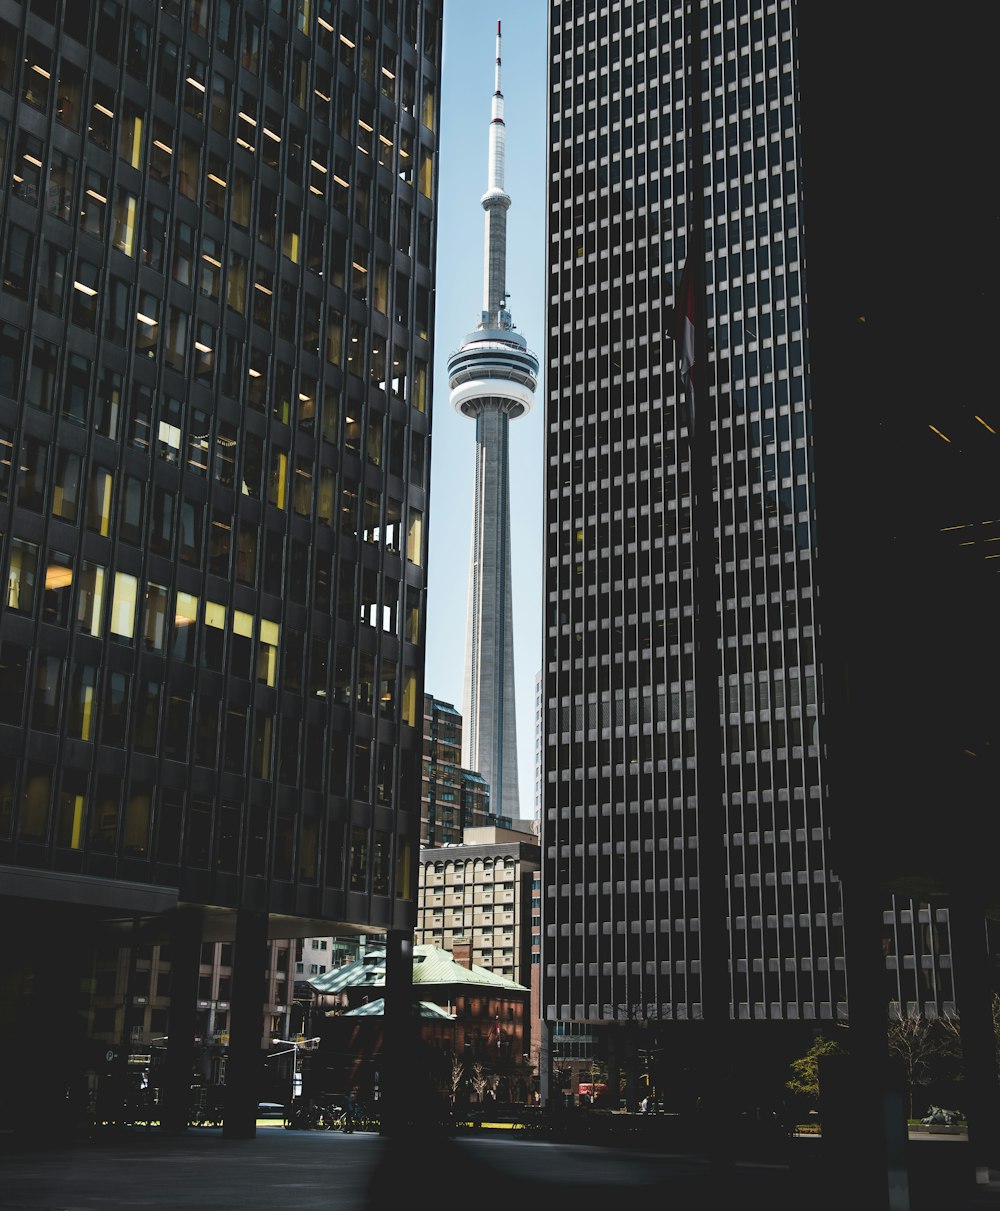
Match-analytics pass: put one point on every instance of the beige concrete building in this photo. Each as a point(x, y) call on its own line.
point(481, 891)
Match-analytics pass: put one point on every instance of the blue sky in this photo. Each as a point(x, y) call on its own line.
point(466, 94)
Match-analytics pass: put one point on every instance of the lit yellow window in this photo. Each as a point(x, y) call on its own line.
point(90, 603)
point(70, 834)
point(123, 601)
point(414, 537)
point(185, 610)
point(215, 615)
point(267, 653)
point(427, 109)
point(410, 699)
point(123, 236)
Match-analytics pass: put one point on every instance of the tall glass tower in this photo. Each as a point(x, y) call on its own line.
point(492, 379)
point(217, 224)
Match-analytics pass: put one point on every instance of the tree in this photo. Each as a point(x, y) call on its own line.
point(457, 1073)
point(479, 1080)
point(918, 1041)
point(805, 1070)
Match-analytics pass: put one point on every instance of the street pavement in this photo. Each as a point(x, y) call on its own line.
point(330, 1171)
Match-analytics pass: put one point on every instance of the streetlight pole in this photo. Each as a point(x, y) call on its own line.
point(294, 1046)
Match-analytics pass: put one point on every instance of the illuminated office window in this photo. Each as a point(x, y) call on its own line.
point(123, 606)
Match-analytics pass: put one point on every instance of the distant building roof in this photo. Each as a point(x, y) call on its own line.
point(431, 965)
point(375, 1009)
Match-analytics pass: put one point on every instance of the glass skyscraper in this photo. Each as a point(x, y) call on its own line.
point(217, 230)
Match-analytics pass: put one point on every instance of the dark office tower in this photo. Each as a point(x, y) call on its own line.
point(629, 823)
point(218, 230)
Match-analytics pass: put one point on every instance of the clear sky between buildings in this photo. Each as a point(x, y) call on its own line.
point(469, 51)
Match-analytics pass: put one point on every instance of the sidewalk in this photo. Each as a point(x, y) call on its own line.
point(314, 1170)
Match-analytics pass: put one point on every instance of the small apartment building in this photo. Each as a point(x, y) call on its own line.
point(481, 890)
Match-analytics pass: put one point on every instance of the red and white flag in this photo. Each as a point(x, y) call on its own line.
point(685, 319)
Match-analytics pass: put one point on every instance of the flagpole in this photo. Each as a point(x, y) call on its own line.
point(714, 946)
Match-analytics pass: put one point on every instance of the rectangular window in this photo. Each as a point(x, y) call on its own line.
point(58, 589)
point(90, 601)
point(17, 262)
point(85, 295)
point(130, 136)
point(185, 623)
point(117, 312)
point(242, 192)
point(41, 383)
point(414, 537)
point(147, 328)
point(359, 858)
point(154, 623)
point(236, 283)
point(45, 702)
point(182, 259)
point(277, 488)
point(130, 522)
point(154, 238)
point(123, 606)
point(59, 197)
point(66, 489)
point(22, 574)
point(31, 474)
point(161, 152)
point(35, 800)
point(267, 652)
point(71, 812)
point(69, 94)
point(76, 390)
point(80, 702)
point(292, 233)
point(114, 714)
point(108, 403)
point(215, 186)
point(123, 236)
point(50, 284)
point(188, 169)
point(94, 203)
point(137, 816)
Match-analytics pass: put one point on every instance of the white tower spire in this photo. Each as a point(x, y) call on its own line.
point(496, 202)
point(492, 377)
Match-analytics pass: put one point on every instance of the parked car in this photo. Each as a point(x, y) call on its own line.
point(270, 1110)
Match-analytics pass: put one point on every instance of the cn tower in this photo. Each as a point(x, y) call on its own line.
point(492, 378)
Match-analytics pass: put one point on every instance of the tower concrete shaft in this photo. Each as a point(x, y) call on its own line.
point(493, 378)
point(489, 734)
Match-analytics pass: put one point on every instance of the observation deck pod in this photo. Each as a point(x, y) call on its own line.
point(493, 369)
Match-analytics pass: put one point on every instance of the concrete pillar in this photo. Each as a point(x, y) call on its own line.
point(396, 1075)
point(544, 1062)
point(185, 957)
point(44, 1024)
point(615, 1056)
point(861, 1097)
point(243, 1073)
point(974, 996)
